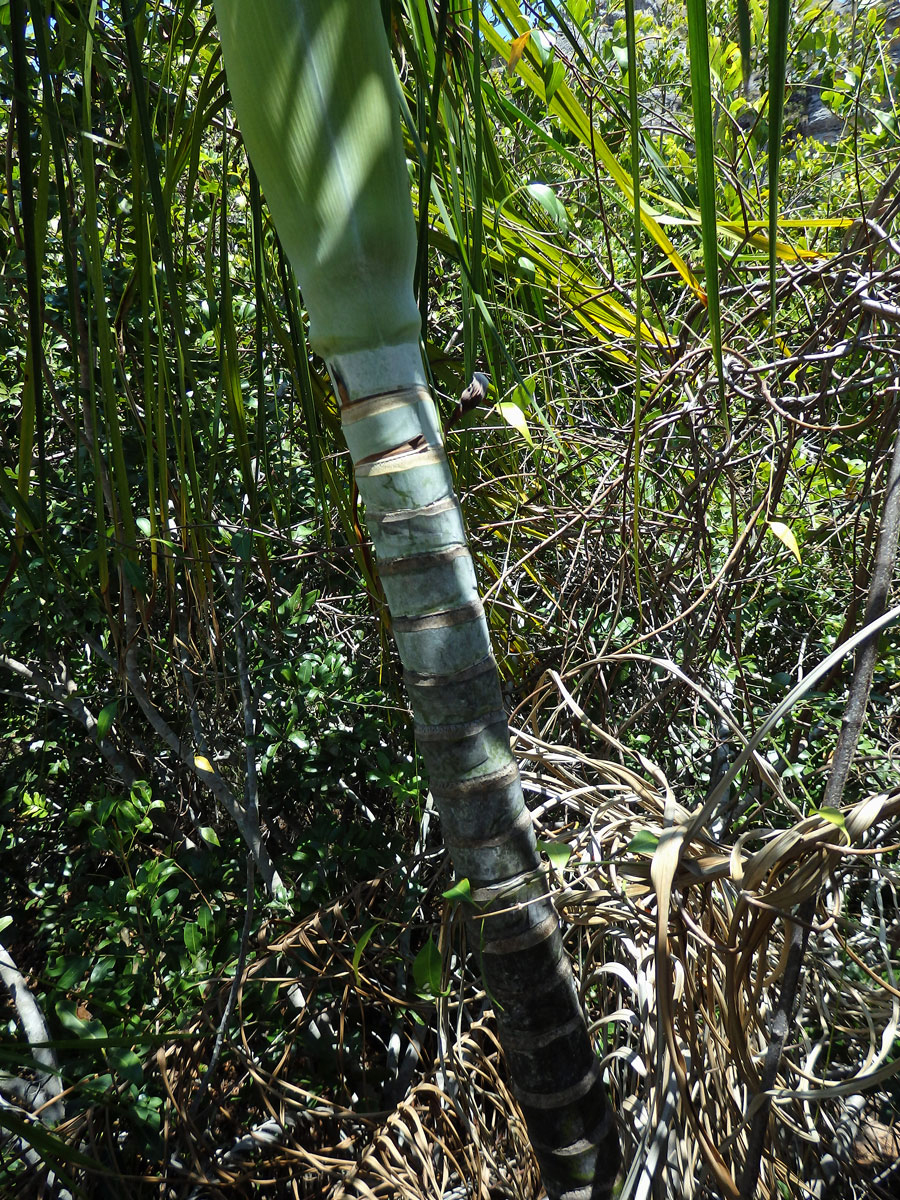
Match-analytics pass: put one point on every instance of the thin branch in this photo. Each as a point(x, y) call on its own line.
point(62, 692)
point(31, 1018)
point(876, 604)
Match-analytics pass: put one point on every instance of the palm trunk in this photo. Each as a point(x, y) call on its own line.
point(313, 88)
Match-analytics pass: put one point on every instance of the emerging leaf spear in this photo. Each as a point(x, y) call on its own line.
point(314, 92)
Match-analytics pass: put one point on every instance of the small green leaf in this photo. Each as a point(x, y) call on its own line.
point(209, 313)
point(294, 601)
point(834, 815)
point(242, 545)
point(209, 835)
point(785, 535)
point(427, 969)
point(559, 853)
point(5, 923)
point(527, 269)
point(554, 75)
point(461, 890)
point(142, 795)
point(98, 839)
point(543, 45)
point(105, 719)
point(551, 204)
point(193, 938)
point(360, 947)
point(126, 1063)
point(643, 842)
point(74, 972)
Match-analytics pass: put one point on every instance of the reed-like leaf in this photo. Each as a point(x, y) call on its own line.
point(634, 121)
point(122, 515)
point(744, 40)
point(565, 106)
point(33, 225)
point(779, 26)
point(701, 104)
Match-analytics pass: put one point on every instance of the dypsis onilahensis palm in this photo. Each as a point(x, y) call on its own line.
point(314, 93)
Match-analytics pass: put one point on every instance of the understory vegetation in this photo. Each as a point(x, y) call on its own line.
point(232, 951)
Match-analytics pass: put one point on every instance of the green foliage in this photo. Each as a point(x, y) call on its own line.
point(191, 486)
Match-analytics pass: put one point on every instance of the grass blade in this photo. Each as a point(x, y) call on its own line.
point(634, 120)
point(33, 419)
point(701, 102)
point(779, 24)
point(743, 24)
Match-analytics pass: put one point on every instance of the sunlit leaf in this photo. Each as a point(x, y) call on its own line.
point(832, 815)
point(516, 49)
point(126, 1063)
point(551, 204)
point(543, 46)
point(643, 842)
point(75, 1019)
point(461, 890)
point(559, 853)
point(554, 76)
point(785, 535)
point(202, 763)
point(527, 269)
point(513, 415)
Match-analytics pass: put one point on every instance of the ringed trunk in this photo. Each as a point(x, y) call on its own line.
point(313, 88)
